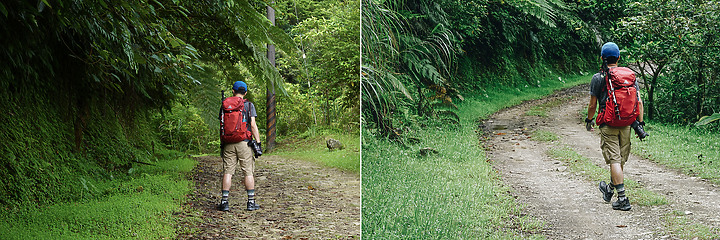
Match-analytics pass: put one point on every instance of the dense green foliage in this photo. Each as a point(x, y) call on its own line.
point(82, 82)
point(90, 89)
point(321, 88)
point(419, 55)
point(326, 78)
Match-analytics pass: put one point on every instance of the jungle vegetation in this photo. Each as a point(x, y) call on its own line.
point(420, 57)
point(91, 89)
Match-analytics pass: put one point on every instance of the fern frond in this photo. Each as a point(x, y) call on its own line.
point(547, 11)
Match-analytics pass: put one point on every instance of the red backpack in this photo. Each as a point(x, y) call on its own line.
point(621, 107)
point(234, 124)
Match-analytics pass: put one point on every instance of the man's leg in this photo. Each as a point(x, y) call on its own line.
point(609, 144)
point(249, 182)
point(616, 173)
point(624, 146)
point(617, 177)
point(229, 157)
point(250, 189)
point(247, 164)
point(226, 182)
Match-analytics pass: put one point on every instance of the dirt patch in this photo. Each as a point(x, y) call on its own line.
point(572, 206)
point(298, 199)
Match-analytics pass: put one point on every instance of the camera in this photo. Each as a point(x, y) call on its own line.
point(639, 129)
point(257, 149)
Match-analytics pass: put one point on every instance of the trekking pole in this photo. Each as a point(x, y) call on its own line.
point(612, 89)
point(222, 118)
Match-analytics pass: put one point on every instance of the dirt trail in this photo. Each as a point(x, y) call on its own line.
point(571, 205)
point(298, 200)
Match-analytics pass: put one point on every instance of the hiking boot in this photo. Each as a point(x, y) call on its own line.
point(223, 206)
point(606, 191)
point(622, 204)
point(252, 206)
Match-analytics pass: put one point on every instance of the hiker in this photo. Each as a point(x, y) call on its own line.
point(236, 135)
point(620, 107)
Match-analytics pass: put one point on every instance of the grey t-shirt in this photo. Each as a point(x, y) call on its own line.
point(599, 90)
point(249, 112)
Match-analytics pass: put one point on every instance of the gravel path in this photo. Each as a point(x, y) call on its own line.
point(298, 199)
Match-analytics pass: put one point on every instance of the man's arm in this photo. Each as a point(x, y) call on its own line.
point(255, 131)
point(592, 106)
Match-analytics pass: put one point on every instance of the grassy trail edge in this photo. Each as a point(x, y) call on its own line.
point(455, 193)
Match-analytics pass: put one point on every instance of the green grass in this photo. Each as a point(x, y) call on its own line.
point(681, 227)
point(488, 101)
point(544, 136)
point(582, 165)
point(314, 148)
point(695, 151)
point(453, 194)
point(140, 206)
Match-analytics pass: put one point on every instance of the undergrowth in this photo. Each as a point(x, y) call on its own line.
point(139, 205)
point(455, 193)
point(70, 168)
point(44, 161)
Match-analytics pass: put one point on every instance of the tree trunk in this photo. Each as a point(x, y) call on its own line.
point(270, 103)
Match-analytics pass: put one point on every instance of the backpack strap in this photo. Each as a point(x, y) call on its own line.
point(242, 110)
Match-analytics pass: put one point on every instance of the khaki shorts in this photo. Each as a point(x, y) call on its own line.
point(238, 153)
point(615, 144)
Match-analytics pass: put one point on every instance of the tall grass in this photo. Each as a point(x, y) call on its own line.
point(455, 193)
point(140, 206)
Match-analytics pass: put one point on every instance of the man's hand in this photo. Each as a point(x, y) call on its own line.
point(589, 124)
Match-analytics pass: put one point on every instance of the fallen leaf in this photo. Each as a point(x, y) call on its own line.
point(500, 134)
point(621, 226)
